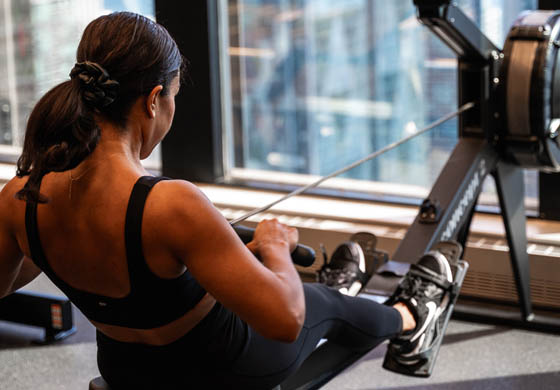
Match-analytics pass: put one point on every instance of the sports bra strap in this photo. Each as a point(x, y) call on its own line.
point(137, 267)
point(33, 234)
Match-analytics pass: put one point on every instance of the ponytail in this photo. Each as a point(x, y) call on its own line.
point(61, 132)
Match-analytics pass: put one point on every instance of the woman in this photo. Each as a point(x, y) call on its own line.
point(178, 298)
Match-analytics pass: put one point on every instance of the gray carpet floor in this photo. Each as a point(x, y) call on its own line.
point(473, 356)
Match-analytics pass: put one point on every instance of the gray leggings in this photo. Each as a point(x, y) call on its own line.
point(223, 352)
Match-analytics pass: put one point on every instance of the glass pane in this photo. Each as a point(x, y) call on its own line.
point(38, 42)
point(317, 84)
point(494, 17)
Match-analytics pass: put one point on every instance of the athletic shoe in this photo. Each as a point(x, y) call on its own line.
point(423, 291)
point(346, 271)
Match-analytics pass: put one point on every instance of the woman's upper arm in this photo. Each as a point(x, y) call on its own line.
point(205, 242)
point(11, 256)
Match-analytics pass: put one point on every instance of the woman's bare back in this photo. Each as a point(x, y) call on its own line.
point(81, 229)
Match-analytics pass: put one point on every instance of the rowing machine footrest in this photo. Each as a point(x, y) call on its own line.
point(425, 362)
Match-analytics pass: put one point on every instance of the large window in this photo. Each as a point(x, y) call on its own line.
point(38, 42)
point(312, 85)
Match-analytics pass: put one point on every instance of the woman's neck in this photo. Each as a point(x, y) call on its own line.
point(118, 148)
point(124, 143)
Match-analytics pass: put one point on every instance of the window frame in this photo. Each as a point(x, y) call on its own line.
point(193, 148)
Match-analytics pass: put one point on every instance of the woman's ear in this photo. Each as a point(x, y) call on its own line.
point(151, 101)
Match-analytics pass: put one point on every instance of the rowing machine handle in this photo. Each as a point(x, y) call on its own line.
point(302, 255)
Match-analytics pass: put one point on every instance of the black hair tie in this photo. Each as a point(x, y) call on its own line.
point(98, 89)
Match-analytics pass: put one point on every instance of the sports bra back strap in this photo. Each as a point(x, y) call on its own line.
point(32, 230)
point(137, 267)
point(33, 235)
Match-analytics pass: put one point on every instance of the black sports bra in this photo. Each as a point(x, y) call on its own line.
point(152, 301)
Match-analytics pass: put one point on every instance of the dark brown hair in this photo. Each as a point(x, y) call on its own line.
point(137, 53)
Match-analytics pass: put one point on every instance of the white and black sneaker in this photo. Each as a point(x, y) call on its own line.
point(346, 271)
point(424, 290)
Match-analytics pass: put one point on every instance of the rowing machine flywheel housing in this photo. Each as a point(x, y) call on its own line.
point(530, 91)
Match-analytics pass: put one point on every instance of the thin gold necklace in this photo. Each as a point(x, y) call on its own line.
point(73, 179)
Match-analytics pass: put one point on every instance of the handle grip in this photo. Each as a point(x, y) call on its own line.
point(302, 255)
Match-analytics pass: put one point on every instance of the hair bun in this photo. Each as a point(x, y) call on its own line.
point(98, 89)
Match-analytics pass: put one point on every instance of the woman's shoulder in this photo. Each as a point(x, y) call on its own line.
point(9, 190)
point(176, 192)
point(177, 198)
point(176, 212)
point(10, 206)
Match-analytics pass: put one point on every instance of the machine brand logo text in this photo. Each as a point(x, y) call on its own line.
point(468, 197)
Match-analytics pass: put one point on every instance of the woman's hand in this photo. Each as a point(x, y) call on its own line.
point(271, 234)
